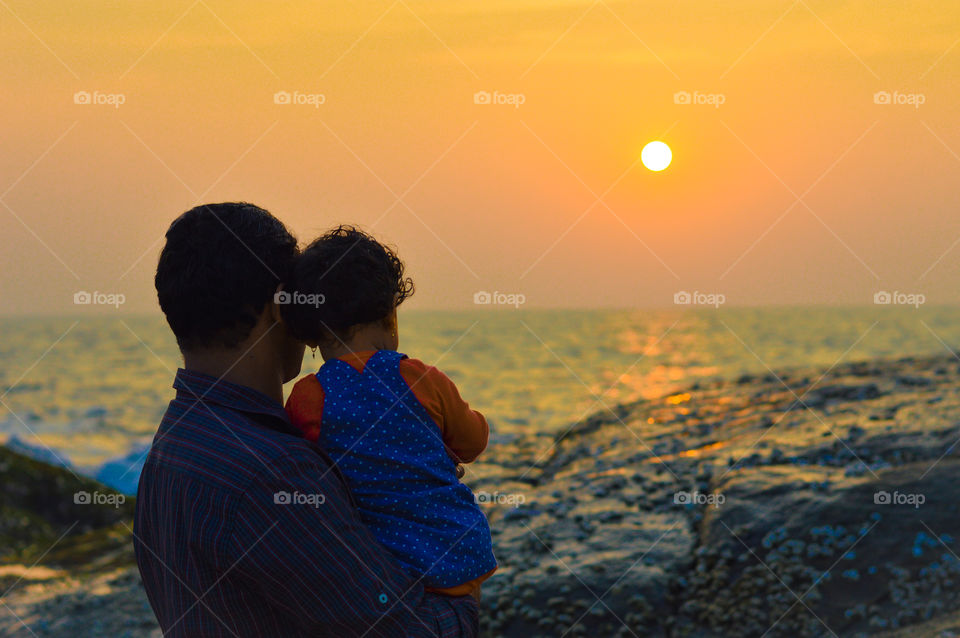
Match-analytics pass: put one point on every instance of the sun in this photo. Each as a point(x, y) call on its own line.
point(656, 156)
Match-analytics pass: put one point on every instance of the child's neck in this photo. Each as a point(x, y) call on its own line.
point(363, 339)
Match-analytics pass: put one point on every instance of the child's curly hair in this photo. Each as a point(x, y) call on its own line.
point(343, 279)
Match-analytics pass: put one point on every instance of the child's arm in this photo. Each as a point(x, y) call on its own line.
point(305, 406)
point(464, 431)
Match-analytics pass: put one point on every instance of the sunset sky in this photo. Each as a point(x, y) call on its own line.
point(798, 188)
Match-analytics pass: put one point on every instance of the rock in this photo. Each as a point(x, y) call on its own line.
point(40, 501)
point(668, 527)
point(838, 546)
point(78, 548)
point(38, 452)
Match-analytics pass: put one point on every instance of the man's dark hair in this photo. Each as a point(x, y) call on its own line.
point(219, 268)
point(357, 279)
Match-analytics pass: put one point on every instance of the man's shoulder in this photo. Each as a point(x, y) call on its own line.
point(223, 447)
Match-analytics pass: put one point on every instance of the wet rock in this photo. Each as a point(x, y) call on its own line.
point(720, 509)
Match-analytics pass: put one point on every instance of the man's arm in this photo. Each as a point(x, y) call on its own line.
point(298, 543)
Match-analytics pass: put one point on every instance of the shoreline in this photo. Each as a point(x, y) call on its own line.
point(621, 509)
point(601, 514)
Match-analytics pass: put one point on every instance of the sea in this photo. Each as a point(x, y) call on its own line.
point(88, 392)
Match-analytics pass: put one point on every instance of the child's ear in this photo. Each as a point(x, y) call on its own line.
point(389, 323)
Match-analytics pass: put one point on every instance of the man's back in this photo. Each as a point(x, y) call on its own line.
point(245, 528)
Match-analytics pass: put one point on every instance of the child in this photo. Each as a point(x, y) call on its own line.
point(396, 427)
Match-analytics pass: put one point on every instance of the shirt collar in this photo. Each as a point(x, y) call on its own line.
point(191, 385)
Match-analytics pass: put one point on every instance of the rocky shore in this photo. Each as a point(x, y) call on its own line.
point(795, 503)
point(66, 560)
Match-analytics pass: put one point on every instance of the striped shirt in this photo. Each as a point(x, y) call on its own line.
point(245, 528)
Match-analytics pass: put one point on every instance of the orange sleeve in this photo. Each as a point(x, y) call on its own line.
point(305, 406)
point(465, 432)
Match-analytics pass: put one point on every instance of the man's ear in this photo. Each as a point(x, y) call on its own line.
point(279, 297)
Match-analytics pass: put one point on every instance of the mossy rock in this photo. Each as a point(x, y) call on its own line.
point(41, 503)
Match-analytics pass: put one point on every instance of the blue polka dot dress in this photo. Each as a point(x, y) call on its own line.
point(392, 454)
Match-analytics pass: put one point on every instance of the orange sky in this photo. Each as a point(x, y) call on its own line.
point(493, 196)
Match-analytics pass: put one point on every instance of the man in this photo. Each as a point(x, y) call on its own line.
point(243, 527)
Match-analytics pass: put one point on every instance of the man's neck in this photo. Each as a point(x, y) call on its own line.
point(234, 366)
